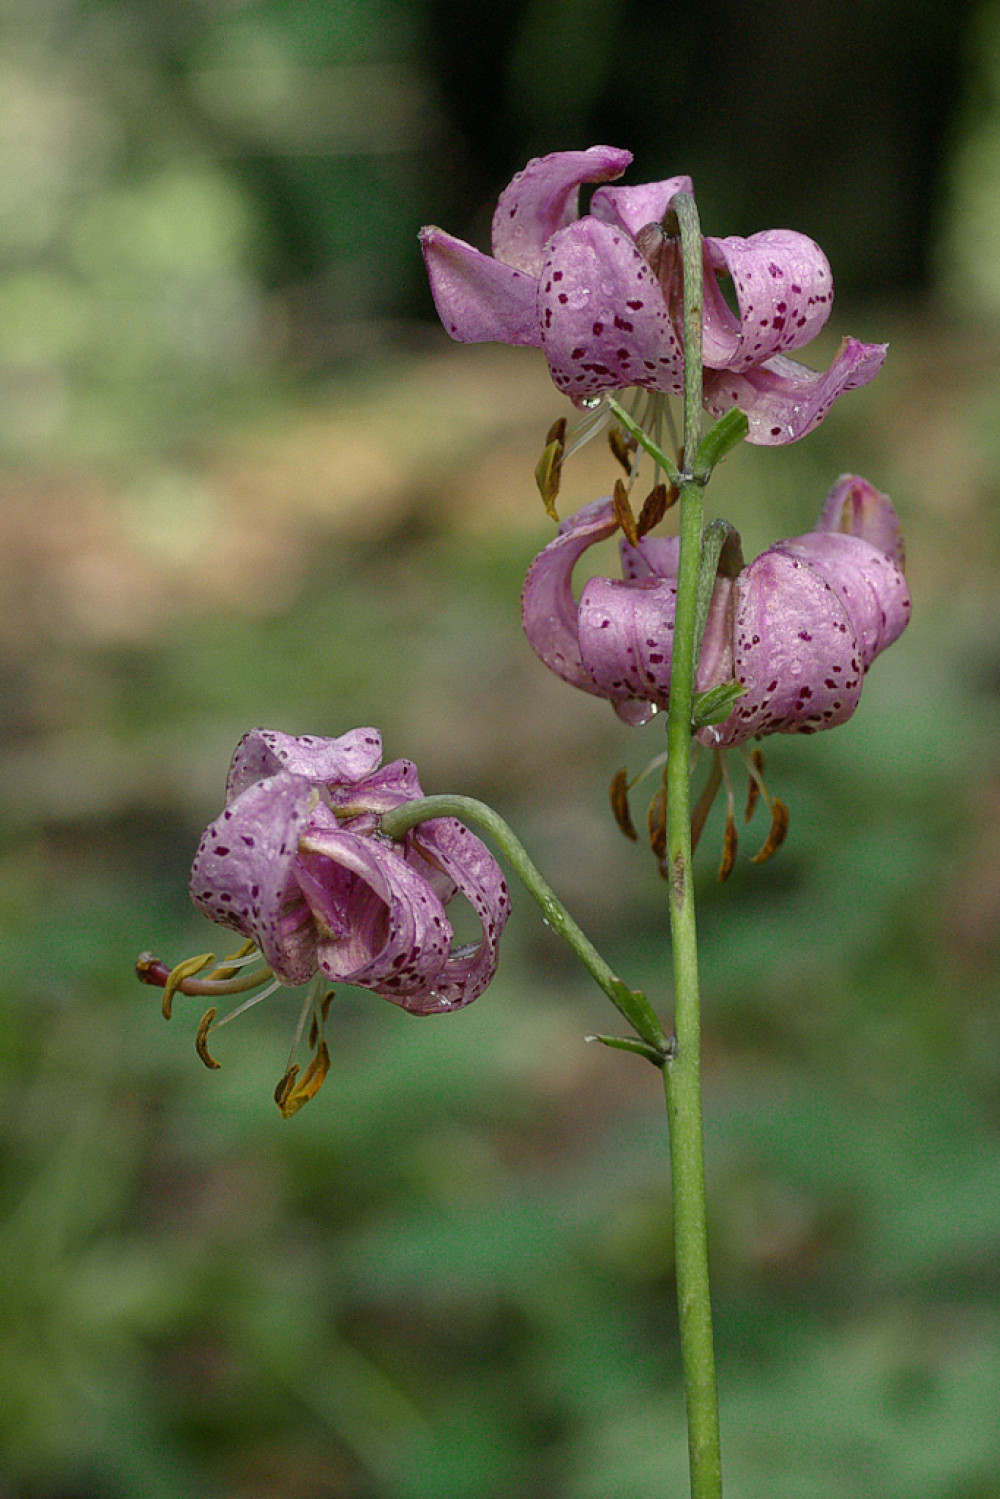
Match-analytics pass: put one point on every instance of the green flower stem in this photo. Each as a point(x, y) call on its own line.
point(682, 1074)
point(635, 1007)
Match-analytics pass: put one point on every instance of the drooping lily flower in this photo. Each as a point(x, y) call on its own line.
point(797, 629)
point(297, 865)
point(296, 862)
point(601, 296)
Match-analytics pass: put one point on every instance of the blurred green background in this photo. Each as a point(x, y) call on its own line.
point(247, 480)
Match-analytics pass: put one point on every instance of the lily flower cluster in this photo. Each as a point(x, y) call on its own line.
point(601, 295)
point(296, 864)
point(797, 629)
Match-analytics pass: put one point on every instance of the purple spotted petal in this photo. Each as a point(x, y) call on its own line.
point(262, 752)
point(653, 557)
point(395, 783)
point(604, 321)
point(396, 938)
point(626, 634)
point(784, 291)
point(632, 208)
point(548, 608)
point(543, 198)
point(795, 651)
point(479, 299)
point(470, 868)
point(870, 585)
point(857, 508)
point(783, 400)
point(243, 874)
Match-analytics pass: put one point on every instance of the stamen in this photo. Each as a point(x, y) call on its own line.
point(177, 977)
point(598, 416)
point(619, 804)
point(290, 1094)
point(755, 784)
point(548, 469)
point(248, 1004)
point(310, 1006)
point(623, 513)
point(248, 953)
point(201, 1039)
point(285, 1084)
point(623, 448)
point(320, 1015)
point(181, 979)
point(779, 812)
point(655, 506)
point(730, 840)
point(779, 828)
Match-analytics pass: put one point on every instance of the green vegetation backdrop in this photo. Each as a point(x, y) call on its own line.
point(246, 480)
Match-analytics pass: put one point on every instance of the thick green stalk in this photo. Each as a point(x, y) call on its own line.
point(682, 1075)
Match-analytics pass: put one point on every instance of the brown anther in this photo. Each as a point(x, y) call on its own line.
point(176, 978)
point(619, 804)
point(313, 1033)
point(201, 1039)
point(730, 843)
point(655, 506)
point(285, 1085)
point(623, 447)
point(779, 827)
point(548, 469)
point(656, 822)
point(292, 1092)
point(623, 513)
point(328, 999)
point(753, 787)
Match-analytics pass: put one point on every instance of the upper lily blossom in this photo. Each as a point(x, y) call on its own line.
point(296, 863)
point(601, 296)
point(797, 629)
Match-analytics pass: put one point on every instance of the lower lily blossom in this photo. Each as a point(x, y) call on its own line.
point(600, 294)
point(797, 629)
point(296, 863)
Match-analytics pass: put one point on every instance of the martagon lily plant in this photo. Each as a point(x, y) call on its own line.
point(336, 869)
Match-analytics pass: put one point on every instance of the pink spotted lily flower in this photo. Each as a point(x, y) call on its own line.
point(797, 629)
point(600, 295)
point(297, 865)
point(295, 861)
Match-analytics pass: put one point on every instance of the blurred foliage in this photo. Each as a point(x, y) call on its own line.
point(242, 485)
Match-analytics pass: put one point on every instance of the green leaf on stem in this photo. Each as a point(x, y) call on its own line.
point(644, 440)
point(718, 441)
point(715, 705)
point(627, 1043)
